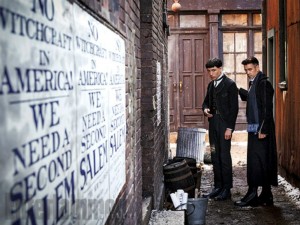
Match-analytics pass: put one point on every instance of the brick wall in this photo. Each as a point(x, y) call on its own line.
point(154, 136)
point(141, 25)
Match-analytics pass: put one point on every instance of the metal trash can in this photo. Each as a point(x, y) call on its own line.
point(191, 143)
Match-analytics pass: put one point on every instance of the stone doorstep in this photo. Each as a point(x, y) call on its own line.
point(160, 217)
point(167, 217)
point(238, 136)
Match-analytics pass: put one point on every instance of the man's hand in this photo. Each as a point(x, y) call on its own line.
point(206, 113)
point(228, 134)
point(261, 136)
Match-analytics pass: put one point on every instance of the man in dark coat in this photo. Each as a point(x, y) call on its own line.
point(261, 150)
point(221, 107)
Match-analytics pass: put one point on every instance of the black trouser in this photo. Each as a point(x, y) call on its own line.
point(220, 153)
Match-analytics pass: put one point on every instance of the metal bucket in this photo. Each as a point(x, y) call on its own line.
point(196, 211)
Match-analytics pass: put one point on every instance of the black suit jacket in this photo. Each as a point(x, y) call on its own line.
point(226, 99)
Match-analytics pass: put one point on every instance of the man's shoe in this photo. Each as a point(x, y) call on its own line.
point(224, 195)
point(214, 193)
point(251, 200)
point(265, 199)
point(247, 195)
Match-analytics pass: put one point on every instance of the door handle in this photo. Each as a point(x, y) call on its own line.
point(180, 86)
point(174, 87)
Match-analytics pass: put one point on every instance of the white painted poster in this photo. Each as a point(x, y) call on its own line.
point(101, 116)
point(36, 99)
point(62, 114)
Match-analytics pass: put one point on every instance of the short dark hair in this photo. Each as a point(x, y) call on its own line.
point(250, 60)
point(215, 62)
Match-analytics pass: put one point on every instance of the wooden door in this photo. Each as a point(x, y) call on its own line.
point(188, 80)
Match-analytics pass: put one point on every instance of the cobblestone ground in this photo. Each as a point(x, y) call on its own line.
point(286, 210)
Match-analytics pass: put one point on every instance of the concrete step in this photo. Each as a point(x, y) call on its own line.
point(167, 217)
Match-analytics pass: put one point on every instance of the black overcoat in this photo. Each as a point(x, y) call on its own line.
point(264, 98)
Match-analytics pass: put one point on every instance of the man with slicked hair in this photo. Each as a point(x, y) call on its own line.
point(220, 106)
point(261, 149)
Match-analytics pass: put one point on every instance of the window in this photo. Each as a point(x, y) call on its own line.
point(271, 55)
point(234, 20)
point(257, 49)
point(257, 20)
point(192, 21)
point(241, 37)
point(234, 51)
point(282, 46)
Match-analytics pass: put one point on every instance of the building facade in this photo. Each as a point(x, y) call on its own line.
point(204, 29)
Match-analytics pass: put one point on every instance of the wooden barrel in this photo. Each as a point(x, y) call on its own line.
point(190, 161)
point(197, 172)
point(178, 175)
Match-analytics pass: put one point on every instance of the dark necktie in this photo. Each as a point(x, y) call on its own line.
point(250, 83)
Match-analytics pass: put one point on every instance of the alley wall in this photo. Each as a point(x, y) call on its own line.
point(282, 59)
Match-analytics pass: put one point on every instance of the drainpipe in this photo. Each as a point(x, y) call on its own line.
point(264, 34)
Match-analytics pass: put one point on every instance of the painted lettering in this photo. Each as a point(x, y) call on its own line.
point(90, 48)
point(41, 111)
point(117, 139)
point(119, 95)
point(39, 148)
point(39, 210)
point(118, 109)
point(92, 163)
point(92, 119)
point(116, 78)
point(96, 99)
point(33, 29)
point(92, 138)
point(34, 80)
point(118, 121)
point(92, 78)
point(44, 58)
point(26, 189)
point(93, 29)
point(46, 8)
